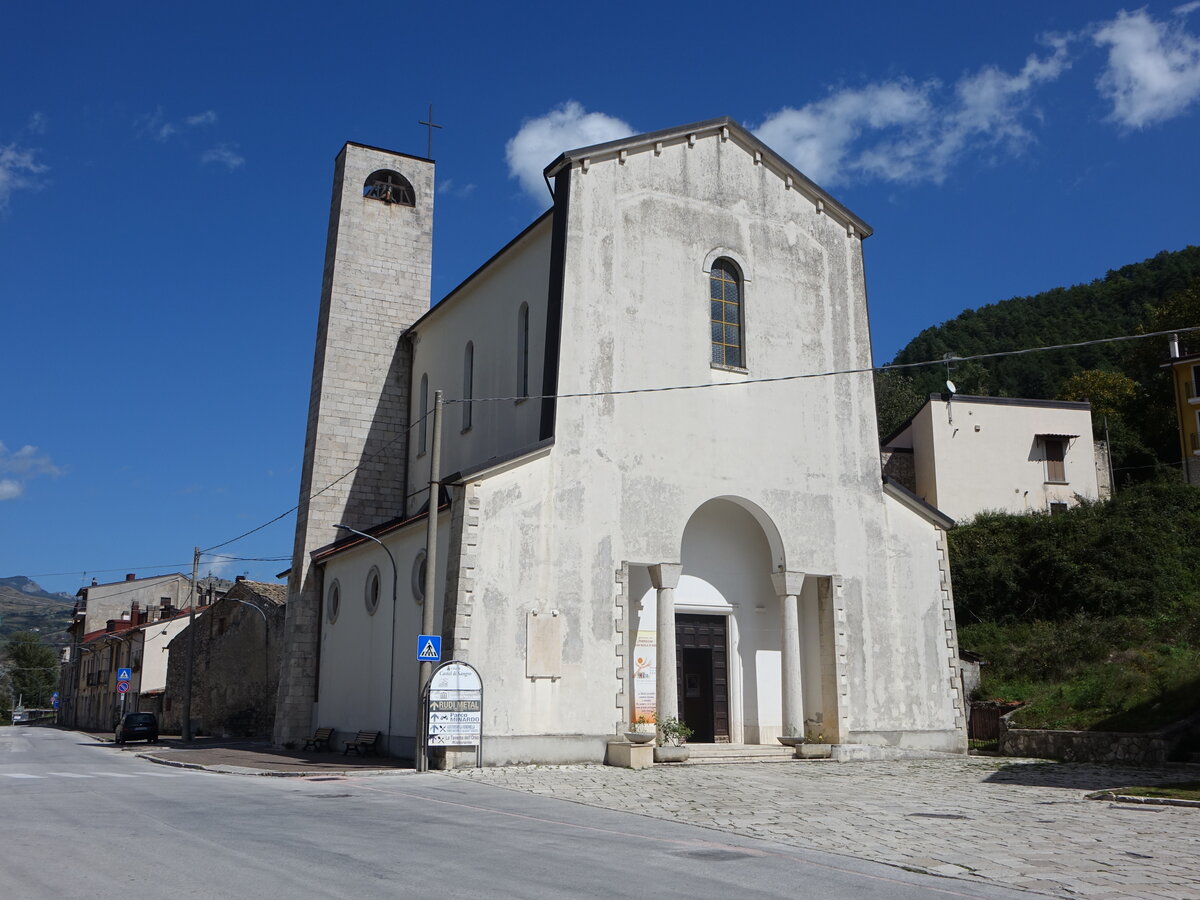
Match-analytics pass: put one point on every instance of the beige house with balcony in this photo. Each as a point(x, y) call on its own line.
point(966, 455)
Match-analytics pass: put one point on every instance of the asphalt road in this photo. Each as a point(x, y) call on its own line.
point(88, 820)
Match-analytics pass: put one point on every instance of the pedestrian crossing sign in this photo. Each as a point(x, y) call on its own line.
point(429, 648)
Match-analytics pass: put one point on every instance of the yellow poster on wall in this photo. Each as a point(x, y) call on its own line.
point(645, 652)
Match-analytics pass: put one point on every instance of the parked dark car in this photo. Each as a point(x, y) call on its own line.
point(137, 727)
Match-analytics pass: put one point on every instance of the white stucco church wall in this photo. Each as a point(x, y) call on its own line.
point(745, 519)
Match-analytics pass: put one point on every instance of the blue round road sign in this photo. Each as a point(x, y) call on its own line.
point(122, 687)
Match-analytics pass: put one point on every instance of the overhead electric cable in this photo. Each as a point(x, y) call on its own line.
point(689, 387)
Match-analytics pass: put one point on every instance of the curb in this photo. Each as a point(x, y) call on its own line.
point(1147, 801)
point(270, 773)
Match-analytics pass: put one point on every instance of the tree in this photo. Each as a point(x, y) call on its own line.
point(895, 400)
point(32, 668)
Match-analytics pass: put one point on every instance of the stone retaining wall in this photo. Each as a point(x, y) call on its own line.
point(1085, 746)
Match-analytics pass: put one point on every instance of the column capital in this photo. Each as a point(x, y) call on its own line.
point(665, 575)
point(788, 584)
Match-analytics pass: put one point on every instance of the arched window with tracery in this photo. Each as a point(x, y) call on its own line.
point(725, 313)
point(390, 187)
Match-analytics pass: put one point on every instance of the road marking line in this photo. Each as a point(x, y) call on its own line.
point(114, 775)
point(162, 774)
point(68, 775)
point(19, 775)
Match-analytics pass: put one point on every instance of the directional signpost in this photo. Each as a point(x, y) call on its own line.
point(454, 708)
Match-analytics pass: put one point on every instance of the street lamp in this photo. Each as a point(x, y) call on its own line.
point(392, 669)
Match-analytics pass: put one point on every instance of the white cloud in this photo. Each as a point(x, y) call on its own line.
point(904, 131)
point(18, 170)
point(37, 123)
point(1153, 71)
point(24, 465)
point(540, 141)
point(225, 155)
point(205, 118)
point(155, 125)
point(1186, 8)
point(451, 189)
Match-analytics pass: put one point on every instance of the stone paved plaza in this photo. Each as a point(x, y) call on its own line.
point(1020, 823)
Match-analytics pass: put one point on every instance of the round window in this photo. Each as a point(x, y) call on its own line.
point(418, 578)
point(333, 602)
point(372, 595)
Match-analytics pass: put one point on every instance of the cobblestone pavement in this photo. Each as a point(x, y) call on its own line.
point(1020, 823)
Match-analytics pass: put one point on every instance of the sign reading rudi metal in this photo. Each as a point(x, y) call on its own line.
point(454, 708)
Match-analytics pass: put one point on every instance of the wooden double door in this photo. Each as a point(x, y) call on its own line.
point(702, 669)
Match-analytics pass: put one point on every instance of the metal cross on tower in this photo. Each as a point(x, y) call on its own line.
point(430, 126)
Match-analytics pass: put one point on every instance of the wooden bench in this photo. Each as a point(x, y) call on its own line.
point(320, 740)
point(363, 742)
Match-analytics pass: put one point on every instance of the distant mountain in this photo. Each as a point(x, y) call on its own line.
point(1159, 293)
point(24, 606)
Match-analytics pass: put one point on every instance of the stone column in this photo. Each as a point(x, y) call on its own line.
point(788, 586)
point(665, 578)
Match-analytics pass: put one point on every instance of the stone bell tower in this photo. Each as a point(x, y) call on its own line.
point(375, 285)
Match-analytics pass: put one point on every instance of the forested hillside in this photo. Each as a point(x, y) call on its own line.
point(1092, 617)
point(1122, 380)
point(24, 606)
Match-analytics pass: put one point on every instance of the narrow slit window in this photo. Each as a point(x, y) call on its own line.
point(423, 428)
point(523, 351)
point(725, 313)
point(468, 384)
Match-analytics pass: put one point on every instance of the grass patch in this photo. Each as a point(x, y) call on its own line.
point(1125, 673)
point(1181, 790)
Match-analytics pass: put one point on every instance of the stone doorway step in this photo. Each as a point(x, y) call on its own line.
point(709, 754)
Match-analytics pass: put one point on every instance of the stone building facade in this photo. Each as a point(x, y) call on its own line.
point(235, 676)
point(728, 553)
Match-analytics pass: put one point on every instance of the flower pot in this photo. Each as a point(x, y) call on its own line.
point(813, 751)
point(671, 753)
point(639, 737)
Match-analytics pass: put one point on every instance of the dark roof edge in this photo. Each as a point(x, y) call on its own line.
point(384, 150)
point(493, 258)
point(900, 429)
point(528, 450)
point(1175, 360)
point(322, 554)
point(917, 505)
point(710, 125)
point(1012, 401)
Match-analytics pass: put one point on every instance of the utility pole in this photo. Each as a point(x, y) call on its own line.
point(191, 650)
point(430, 587)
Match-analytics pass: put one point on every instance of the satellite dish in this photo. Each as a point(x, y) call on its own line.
point(951, 388)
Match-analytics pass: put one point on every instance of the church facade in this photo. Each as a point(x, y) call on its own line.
point(725, 551)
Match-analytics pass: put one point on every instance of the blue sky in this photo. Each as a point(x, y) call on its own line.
point(165, 175)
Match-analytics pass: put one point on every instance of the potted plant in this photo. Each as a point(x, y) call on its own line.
point(814, 747)
point(672, 741)
point(642, 731)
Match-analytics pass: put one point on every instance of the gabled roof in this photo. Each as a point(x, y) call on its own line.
point(726, 128)
point(926, 511)
point(262, 591)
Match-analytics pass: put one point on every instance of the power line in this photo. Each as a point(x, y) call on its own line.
point(689, 387)
point(340, 478)
point(828, 374)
